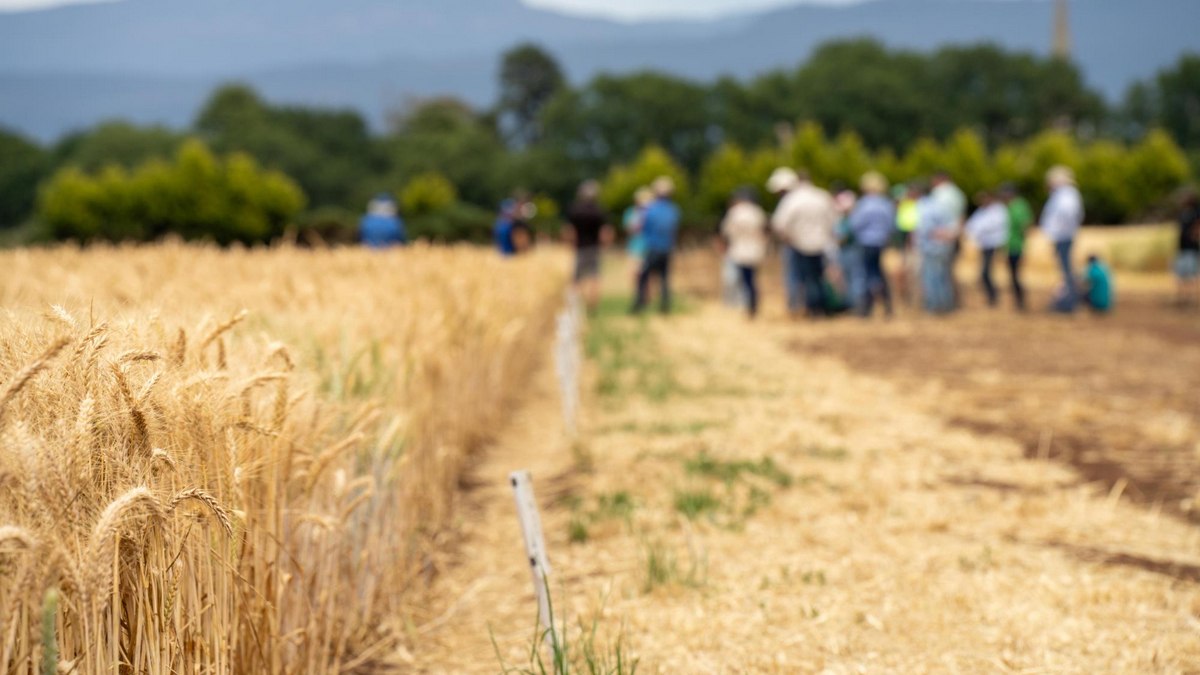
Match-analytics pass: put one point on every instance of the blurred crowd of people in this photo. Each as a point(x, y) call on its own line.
point(833, 242)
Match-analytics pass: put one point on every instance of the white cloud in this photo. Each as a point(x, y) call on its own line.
point(17, 5)
point(622, 9)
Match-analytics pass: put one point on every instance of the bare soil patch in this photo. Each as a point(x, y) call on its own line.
point(1115, 397)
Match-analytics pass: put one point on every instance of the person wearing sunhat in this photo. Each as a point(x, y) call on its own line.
point(660, 225)
point(805, 220)
point(873, 223)
point(1061, 219)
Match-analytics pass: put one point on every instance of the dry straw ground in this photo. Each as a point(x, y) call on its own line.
point(854, 497)
point(239, 461)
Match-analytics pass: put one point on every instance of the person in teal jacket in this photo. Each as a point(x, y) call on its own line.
point(1098, 286)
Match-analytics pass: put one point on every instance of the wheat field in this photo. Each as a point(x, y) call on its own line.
point(217, 461)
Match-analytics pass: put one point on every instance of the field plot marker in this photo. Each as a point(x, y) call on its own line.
point(568, 360)
point(535, 549)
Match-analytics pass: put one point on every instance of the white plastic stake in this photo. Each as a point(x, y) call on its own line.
point(535, 544)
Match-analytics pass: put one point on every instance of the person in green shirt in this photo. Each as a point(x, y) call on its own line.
point(1098, 286)
point(1020, 217)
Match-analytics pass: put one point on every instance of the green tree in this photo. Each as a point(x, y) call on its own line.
point(23, 167)
point(624, 180)
point(1104, 182)
point(330, 153)
point(529, 78)
point(444, 135)
point(808, 150)
point(859, 85)
point(847, 159)
point(117, 142)
point(1156, 168)
point(1174, 101)
point(197, 196)
point(725, 171)
point(427, 193)
point(610, 120)
point(966, 158)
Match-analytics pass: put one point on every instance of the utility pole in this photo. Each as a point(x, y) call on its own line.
point(1062, 30)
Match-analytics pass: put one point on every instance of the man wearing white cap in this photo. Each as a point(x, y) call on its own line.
point(1061, 219)
point(804, 220)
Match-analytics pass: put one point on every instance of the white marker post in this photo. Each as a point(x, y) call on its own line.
point(535, 549)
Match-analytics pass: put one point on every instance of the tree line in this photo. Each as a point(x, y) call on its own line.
point(983, 113)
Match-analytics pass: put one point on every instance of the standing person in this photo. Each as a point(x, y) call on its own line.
point(588, 229)
point(953, 204)
point(935, 235)
point(804, 220)
point(850, 254)
point(502, 231)
point(745, 228)
point(660, 225)
point(1187, 262)
point(873, 223)
point(635, 248)
point(1061, 220)
point(1020, 217)
point(523, 211)
point(382, 227)
point(988, 228)
point(907, 219)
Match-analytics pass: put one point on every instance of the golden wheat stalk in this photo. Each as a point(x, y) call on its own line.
point(23, 376)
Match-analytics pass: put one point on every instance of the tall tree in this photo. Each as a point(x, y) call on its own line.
point(329, 152)
point(529, 78)
point(24, 166)
point(1179, 100)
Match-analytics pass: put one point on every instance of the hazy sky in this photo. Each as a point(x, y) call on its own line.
point(629, 9)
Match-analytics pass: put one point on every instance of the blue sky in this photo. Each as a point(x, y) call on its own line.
point(625, 9)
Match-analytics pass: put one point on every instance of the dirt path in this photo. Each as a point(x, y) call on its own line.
point(749, 499)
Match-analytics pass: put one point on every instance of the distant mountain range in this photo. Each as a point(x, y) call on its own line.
point(157, 60)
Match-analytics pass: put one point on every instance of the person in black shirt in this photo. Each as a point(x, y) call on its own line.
point(588, 229)
point(1187, 263)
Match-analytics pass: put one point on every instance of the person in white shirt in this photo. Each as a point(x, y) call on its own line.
point(988, 228)
point(952, 202)
point(1060, 222)
point(804, 220)
point(745, 230)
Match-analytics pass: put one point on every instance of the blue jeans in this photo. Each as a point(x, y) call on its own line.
point(1014, 271)
point(657, 263)
point(1067, 302)
point(792, 280)
point(877, 283)
point(812, 274)
point(854, 274)
point(747, 275)
point(937, 287)
point(985, 276)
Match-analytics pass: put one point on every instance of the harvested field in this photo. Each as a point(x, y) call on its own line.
point(987, 493)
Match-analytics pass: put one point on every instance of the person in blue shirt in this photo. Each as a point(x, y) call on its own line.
point(659, 227)
point(382, 227)
point(873, 223)
point(1097, 286)
point(502, 231)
